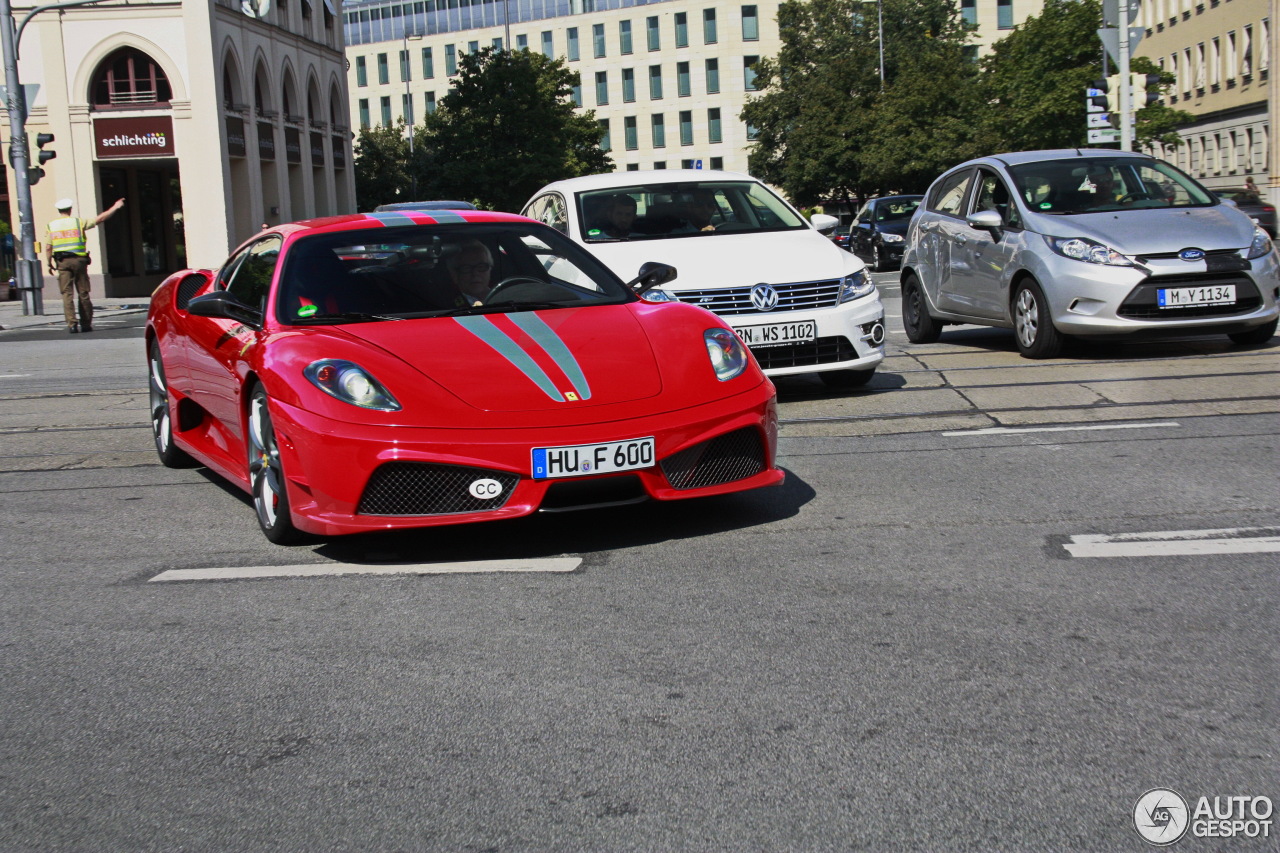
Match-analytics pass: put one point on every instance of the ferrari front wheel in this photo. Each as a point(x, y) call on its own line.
point(266, 474)
point(171, 456)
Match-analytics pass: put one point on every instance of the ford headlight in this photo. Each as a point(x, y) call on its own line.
point(1089, 251)
point(890, 238)
point(350, 383)
point(856, 286)
point(1260, 246)
point(728, 355)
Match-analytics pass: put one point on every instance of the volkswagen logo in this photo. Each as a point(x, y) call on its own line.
point(1192, 254)
point(764, 297)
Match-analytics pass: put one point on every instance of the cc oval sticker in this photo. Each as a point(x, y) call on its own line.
point(483, 490)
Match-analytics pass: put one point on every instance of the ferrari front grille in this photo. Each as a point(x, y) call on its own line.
point(733, 456)
point(794, 296)
point(426, 488)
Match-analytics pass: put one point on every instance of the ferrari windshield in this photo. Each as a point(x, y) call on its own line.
point(438, 270)
point(1076, 185)
point(685, 209)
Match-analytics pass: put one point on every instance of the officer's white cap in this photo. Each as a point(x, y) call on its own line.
point(65, 204)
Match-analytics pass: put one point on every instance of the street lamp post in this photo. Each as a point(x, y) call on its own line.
point(408, 105)
point(879, 33)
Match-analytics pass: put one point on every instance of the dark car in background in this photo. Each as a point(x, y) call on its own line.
point(878, 235)
point(1252, 205)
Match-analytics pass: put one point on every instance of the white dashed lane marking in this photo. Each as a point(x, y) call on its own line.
point(1172, 543)
point(311, 570)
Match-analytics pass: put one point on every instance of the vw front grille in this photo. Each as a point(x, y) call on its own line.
point(796, 296)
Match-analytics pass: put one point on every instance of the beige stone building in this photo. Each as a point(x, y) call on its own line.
point(208, 118)
point(1222, 53)
point(667, 80)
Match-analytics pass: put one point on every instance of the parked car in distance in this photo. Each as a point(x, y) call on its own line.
point(1088, 242)
point(364, 372)
point(798, 301)
point(878, 234)
point(425, 205)
point(1253, 206)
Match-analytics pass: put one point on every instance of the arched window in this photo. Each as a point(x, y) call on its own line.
point(128, 78)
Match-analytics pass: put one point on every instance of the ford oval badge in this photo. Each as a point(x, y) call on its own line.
point(1192, 254)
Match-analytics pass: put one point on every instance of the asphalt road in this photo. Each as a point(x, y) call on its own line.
point(908, 646)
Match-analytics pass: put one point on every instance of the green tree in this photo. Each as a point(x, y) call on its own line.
point(381, 166)
point(509, 127)
point(1157, 122)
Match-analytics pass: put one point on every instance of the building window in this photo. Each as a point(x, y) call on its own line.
point(1004, 14)
point(497, 44)
point(629, 133)
point(572, 35)
point(473, 47)
point(431, 102)
point(749, 73)
point(969, 11)
point(628, 85)
point(522, 42)
point(624, 37)
point(404, 66)
point(428, 66)
point(713, 125)
point(576, 93)
point(384, 71)
point(717, 163)
point(597, 40)
point(659, 131)
point(450, 60)
point(686, 127)
point(682, 80)
point(753, 132)
point(364, 113)
point(602, 88)
point(713, 76)
point(655, 82)
point(682, 29)
point(633, 167)
point(750, 24)
point(659, 164)
point(655, 39)
point(385, 104)
point(406, 107)
point(547, 49)
point(708, 26)
point(605, 143)
point(362, 72)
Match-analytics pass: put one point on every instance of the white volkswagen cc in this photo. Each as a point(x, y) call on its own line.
point(797, 300)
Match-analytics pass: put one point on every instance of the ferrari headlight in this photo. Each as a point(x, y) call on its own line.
point(1260, 246)
point(856, 286)
point(350, 383)
point(890, 238)
point(1089, 251)
point(657, 294)
point(728, 355)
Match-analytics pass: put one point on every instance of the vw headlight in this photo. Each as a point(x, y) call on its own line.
point(657, 294)
point(350, 383)
point(890, 238)
point(1089, 251)
point(1260, 246)
point(856, 286)
point(728, 355)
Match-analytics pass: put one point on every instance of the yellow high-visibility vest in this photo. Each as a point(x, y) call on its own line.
point(67, 235)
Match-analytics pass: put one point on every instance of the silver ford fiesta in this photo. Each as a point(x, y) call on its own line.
point(1086, 242)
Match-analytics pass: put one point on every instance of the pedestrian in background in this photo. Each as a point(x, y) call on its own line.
point(1250, 186)
point(68, 259)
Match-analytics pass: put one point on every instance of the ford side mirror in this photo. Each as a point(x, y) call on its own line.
point(986, 220)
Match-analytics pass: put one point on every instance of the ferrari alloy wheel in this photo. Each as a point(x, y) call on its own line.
point(921, 328)
point(266, 474)
point(1034, 329)
point(161, 418)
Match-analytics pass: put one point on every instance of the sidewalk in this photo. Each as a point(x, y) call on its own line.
point(11, 316)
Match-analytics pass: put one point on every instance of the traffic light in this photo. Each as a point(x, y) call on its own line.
point(1102, 101)
point(35, 173)
point(1140, 94)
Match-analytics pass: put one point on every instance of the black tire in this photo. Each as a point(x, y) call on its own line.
point(846, 378)
point(1254, 337)
point(1032, 326)
point(171, 456)
point(920, 326)
point(877, 259)
point(266, 473)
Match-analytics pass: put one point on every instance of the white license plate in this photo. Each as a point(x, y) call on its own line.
point(804, 332)
point(581, 460)
point(1193, 297)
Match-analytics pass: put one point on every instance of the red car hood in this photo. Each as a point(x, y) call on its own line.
point(527, 361)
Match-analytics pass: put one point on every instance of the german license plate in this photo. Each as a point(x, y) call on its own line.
point(804, 332)
point(1194, 297)
point(581, 460)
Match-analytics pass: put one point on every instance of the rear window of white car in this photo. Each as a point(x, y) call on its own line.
point(687, 209)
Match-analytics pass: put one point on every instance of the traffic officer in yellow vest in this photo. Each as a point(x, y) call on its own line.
point(67, 257)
